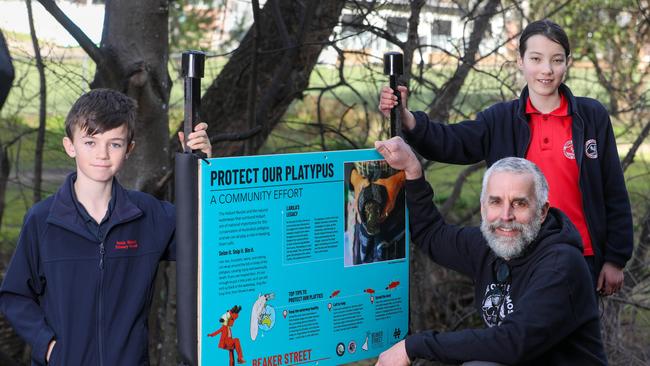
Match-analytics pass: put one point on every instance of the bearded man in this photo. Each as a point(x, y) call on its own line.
point(532, 285)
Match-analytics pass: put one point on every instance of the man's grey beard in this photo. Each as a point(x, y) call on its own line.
point(510, 247)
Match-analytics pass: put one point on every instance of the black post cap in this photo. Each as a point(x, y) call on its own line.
point(393, 63)
point(192, 64)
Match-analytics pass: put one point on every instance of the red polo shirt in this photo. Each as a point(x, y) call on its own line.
point(551, 148)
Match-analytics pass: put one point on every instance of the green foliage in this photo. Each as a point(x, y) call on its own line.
point(67, 75)
point(18, 196)
point(196, 24)
point(235, 34)
point(189, 22)
point(609, 35)
point(443, 177)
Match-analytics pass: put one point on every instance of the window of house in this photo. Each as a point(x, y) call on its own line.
point(351, 23)
point(396, 25)
point(441, 28)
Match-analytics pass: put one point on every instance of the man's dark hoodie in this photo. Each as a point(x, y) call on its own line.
point(544, 314)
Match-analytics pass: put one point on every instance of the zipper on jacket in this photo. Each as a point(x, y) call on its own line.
point(100, 340)
point(102, 251)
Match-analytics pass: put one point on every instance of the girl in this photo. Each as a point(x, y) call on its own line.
point(570, 138)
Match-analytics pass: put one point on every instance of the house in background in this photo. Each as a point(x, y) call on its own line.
point(443, 27)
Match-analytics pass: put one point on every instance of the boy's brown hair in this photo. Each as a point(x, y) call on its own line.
point(102, 110)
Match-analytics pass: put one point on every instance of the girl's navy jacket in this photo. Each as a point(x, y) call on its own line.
point(502, 130)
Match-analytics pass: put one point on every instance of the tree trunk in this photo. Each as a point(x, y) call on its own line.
point(135, 50)
point(413, 38)
point(427, 301)
point(443, 102)
point(638, 142)
point(42, 110)
point(138, 67)
point(289, 46)
point(162, 317)
point(132, 58)
point(5, 169)
point(421, 302)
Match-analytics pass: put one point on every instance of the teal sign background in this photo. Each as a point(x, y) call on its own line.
point(275, 240)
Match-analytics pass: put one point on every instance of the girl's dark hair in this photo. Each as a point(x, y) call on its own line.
point(102, 110)
point(547, 28)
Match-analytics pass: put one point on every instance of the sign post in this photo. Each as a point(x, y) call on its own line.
point(293, 259)
point(394, 67)
point(186, 192)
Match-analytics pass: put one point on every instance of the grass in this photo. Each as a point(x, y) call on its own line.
point(68, 78)
point(19, 190)
point(66, 81)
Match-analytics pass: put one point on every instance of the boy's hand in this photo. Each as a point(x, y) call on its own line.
point(198, 140)
point(50, 347)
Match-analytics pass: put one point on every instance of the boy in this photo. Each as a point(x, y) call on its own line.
point(79, 286)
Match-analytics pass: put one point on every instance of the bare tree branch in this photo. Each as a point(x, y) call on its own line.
point(638, 141)
point(86, 43)
point(282, 74)
point(458, 187)
point(279, 22)
point(235, 136)
point(252, 82)
point(439, 108)
point(40, 138)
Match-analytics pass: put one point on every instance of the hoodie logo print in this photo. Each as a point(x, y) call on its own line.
point(497, 304)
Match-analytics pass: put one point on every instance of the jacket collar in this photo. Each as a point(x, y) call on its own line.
point(63, 211)
point(561, 111)
point(564, 90)
point(577, 123)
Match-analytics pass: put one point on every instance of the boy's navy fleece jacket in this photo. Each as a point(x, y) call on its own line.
point(502, 131)
point(92, 297)
point(551, 315)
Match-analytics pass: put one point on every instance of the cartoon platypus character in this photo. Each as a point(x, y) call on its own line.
point(226, 341)
point(258, 311)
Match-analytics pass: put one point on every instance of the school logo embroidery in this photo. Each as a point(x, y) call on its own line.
point(591, 149)
point(497, 304)
point(568, 150)
point(126, 244)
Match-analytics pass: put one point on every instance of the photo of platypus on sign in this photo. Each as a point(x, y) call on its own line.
point(374, 212)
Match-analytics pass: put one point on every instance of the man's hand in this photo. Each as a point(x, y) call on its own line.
point(198, 140)
point(388, 100)
point(400, 156)
point(50, 347)
point(610, 279)
point(394, 356)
